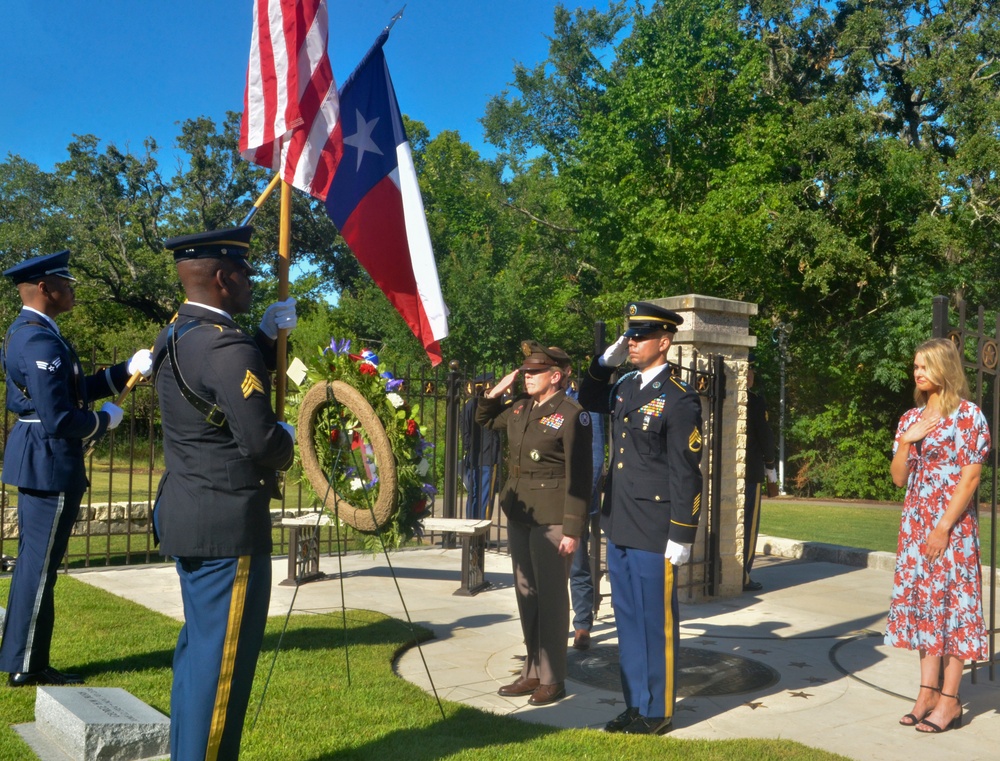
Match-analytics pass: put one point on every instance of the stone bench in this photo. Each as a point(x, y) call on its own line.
point(473, 533)
point(303, 548)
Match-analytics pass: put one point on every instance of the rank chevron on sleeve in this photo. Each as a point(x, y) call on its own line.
point(251, 383)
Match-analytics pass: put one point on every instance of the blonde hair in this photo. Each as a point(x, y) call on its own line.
point(944, 369)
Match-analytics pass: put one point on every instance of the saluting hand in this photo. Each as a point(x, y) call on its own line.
point(505, 383)
point(615, 354)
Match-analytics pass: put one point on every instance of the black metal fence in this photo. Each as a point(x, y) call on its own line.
point(976, 339)
point(115, 524)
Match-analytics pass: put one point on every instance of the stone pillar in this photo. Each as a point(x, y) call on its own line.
point(715, 326)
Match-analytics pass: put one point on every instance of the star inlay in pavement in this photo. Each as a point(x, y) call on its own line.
point(679, 708)
point(754, 706)
point(799, 694)
point(610, 701)
point(815, 680)
point(799, 665)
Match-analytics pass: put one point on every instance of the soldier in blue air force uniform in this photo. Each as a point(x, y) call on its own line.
point(652, 502)
point(47, 390)
point(222, 446)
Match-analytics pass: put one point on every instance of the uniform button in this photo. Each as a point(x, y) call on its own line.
point(623, 434)
point(657, 497)
point(619, 466)
point(622, 450)
point(626, 420)
point(262, 482)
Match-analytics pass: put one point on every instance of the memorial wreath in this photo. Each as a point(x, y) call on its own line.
point(363, 454)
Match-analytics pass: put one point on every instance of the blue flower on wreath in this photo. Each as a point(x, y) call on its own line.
point(429, 490)
point(342, 346)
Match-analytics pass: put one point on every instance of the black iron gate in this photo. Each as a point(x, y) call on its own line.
point(706, 374)
point(979, 351)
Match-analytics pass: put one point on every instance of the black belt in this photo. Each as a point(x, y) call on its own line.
point(516, 471)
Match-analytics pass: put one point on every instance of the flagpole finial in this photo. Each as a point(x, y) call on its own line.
point(396, 18)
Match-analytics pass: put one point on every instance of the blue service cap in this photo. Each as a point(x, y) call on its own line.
point(642, 317)
point(232, 242)
point(38, 267)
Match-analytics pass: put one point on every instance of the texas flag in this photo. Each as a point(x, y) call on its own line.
point(374, 200)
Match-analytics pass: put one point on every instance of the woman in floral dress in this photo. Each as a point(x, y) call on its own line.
point(936, 605)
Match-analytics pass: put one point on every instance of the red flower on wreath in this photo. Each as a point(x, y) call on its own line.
point(334, 435)
point(412, 429)
point(367, 368)
point(419, 507)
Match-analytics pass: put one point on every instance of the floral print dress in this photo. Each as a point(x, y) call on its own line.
point(937, 606)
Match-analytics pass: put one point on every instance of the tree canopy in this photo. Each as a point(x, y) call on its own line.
point(833, 162)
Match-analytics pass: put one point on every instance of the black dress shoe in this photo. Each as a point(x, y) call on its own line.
point(622, 720)
point(520, 686)
point(581, 639)
point(547, 693)
point(643, 725)
point(752, 586)
point(47, 675)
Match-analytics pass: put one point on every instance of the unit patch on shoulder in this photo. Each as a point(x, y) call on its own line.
point(584, 419)
point(694, 440)
point(251, 384)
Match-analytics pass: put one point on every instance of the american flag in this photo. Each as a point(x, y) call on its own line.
point(290, 107)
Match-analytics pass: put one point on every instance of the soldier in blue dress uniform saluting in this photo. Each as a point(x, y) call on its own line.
point(47, 390)
point(652, 503)
point(223, 447)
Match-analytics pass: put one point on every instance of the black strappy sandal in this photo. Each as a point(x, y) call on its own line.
point(955, 723)
point(913, 719)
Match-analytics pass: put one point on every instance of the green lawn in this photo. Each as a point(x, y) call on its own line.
point(871, 528)
point(314, 712)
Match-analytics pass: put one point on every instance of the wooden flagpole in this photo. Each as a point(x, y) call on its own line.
point(284, 259)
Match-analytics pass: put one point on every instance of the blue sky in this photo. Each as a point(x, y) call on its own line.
point(124, 70)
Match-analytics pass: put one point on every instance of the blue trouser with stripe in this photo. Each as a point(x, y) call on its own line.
point(644, 598)
point(225, 610)
point(45, 521)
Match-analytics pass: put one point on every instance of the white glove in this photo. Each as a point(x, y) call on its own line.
point(115, 412)
point(615, 354)
point(279, 316)
point(678, 554)
point(141, 362)
point(289, 428)
point(772, 475)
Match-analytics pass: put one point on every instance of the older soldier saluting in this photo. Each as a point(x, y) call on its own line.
point(652, 499)
point(47, 390)
point(545, 499)
point(223, 446)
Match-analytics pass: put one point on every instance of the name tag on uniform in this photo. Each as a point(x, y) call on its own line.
point(553, 421)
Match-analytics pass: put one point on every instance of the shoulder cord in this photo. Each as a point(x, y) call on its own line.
point(213, 415)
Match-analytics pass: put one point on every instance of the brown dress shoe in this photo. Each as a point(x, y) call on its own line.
point(547, 693)
point(581, 640)
point(520, 686)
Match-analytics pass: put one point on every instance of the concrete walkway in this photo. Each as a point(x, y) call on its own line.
point(815, 628)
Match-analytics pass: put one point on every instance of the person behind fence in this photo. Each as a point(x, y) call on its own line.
point(545, 499)
point(937, 603)
point(760, 468)
point(223, 447)
point(652, 503)
point(481, 462)
point(581, 577)
point(49, 393)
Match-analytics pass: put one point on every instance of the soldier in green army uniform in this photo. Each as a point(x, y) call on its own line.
point(546, 499)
